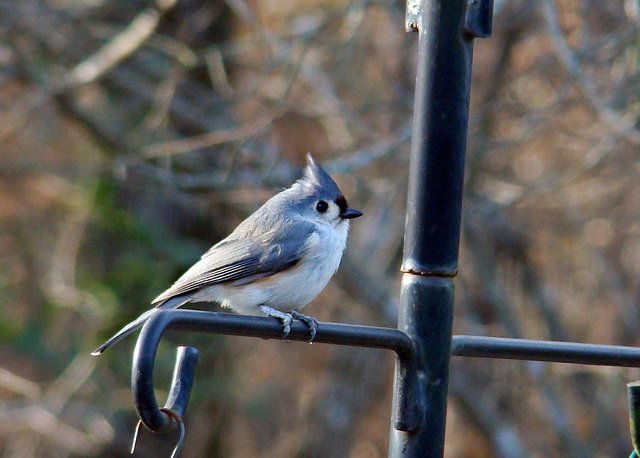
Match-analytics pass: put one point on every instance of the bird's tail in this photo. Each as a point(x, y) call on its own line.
point(139, 322)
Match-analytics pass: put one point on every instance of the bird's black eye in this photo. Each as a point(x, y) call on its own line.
point(322, 206)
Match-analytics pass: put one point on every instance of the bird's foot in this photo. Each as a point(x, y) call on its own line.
point(309, 321)
point(286, 318)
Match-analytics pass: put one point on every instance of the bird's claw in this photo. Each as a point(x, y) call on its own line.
point(285, 318)
point(310, 321)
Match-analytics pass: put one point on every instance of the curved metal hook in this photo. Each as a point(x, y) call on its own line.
point(154, 418)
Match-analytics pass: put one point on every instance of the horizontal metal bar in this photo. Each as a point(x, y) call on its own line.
point(271, 328)
point(537, 350)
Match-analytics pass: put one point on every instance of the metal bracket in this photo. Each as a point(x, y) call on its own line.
point(477, 23)
point(409, 415)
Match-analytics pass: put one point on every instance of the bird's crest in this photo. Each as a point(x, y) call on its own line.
point(316, 177)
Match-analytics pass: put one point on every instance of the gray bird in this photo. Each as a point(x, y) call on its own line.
point(274, 263)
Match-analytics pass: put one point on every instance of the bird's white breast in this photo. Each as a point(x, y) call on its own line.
point(295, 287)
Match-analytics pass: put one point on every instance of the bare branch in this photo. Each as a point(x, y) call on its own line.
point(619, 124)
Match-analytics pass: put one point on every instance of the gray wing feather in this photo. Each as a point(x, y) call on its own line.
point(235, 259)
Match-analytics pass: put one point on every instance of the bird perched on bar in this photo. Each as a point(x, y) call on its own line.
point(274, 263)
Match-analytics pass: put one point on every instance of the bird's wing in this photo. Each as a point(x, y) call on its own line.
point(244, 259)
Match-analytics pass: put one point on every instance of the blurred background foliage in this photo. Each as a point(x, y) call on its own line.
point(136, 134)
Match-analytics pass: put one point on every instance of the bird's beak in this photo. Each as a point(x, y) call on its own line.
point(350, 213)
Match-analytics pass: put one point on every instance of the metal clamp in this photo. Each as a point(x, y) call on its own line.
point(478, 18)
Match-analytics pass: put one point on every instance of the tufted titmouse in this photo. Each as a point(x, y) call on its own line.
point(275, 262)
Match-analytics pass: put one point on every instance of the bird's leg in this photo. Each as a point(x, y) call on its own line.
point(286, 318)
point(309, 321)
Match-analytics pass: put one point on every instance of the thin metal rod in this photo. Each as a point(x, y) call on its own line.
point(537, 350)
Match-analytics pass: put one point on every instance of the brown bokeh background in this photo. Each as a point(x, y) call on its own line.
point(136, 134)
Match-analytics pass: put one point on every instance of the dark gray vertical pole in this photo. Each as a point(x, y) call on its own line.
point(441, 109)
